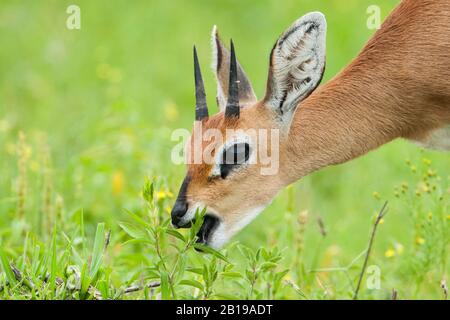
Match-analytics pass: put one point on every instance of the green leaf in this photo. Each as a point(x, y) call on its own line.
point(265, 254)
point(84, 280)
point(132, 230)
point(246, 252)
point(258, 254)
point(198, 221)
point(102, 286)
point(97, 252)
point(6, 268)
point(230, 274)
point(176, 234)
point(35, 265)
point(83, 247)
point(192, 283)
point(281, 274)
point(53, 263)
point(205, 273)
point(138, 219)
point(226, 296)
point(210, 250)
point(147, 191)
point(165, 286)
point(198, 271)
point(136, 241)
point(268, 265)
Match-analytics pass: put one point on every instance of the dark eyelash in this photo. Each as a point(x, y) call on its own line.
point(226, 167)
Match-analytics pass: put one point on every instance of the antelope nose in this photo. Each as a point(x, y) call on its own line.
point(178, 211)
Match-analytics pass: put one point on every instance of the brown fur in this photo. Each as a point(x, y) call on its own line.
point(398, 86)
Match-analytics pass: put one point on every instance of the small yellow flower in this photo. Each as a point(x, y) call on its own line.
point(171, 111)
point(448, 217)
point(160, 195)
point(426, 162)
point(287, 277)
point(27, 151)
point(381, 221)
point(420, 240)
point(425, 187)
point(389, 253)
point(430, 215)
point(376, 195)
point(431, 173)
point(413, 168)
point(117, 182)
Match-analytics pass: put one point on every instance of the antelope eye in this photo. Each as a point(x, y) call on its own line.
point(234, 156)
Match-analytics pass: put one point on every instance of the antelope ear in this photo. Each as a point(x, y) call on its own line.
point(297, 64)
point(221, 68)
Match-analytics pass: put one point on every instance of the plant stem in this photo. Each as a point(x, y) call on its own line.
point(380, 216)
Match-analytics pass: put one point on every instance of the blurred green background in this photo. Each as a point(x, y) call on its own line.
point(98, 105)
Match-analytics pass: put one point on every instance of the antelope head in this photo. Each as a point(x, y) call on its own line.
point(239, 158)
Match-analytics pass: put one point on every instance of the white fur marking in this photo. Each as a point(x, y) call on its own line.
point(223, 233)
point(438, 139)
point(220, 94)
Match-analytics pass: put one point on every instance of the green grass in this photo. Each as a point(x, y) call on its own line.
point(86, 182)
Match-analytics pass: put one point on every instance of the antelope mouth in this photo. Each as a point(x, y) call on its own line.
point(206, 232)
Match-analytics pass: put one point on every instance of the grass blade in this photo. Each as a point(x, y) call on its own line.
point(53, 264)
point(97, 252)
point(5, 266)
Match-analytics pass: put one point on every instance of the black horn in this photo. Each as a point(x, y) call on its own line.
point(201, 108)
point(232, 108)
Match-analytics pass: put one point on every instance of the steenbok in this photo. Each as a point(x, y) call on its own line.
point(397, 87)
